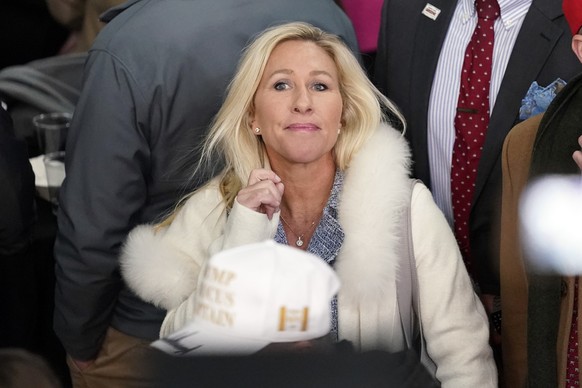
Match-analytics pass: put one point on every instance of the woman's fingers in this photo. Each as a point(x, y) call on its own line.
point(261, 174)
point(263, 193)
point(577, 155)
point(270, 210)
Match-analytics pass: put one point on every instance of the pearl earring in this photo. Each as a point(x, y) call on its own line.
point(257, 130)
point(339, 130)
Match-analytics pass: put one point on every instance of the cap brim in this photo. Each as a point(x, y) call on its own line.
point(196, 339)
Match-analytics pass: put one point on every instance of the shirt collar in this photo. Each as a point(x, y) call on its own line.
point(511, 11)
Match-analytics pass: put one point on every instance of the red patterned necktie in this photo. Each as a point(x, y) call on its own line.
point(572, 372)
point(471, 121)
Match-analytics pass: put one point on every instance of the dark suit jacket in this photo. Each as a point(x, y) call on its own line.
point(408, 51)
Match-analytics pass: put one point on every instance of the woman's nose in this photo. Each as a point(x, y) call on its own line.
point(302, 103)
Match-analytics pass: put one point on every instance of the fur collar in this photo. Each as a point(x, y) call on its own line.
point(376, 188)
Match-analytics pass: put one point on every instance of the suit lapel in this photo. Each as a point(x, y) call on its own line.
point(535, 42)
point(427, 43)
point(430, 35)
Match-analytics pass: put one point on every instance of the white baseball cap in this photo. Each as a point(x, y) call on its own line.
point(254, 295)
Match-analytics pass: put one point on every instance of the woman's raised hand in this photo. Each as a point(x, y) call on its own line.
point(263, 192)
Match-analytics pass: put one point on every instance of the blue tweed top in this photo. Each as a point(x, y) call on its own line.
point(327, 238)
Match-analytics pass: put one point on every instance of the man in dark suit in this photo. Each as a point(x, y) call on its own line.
point(416, 40)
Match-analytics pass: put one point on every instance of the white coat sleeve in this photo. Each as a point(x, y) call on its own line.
point(455, 325)
point(161, 264)
point(243, 226)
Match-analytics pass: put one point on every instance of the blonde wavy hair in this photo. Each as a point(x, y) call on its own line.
point(231, 137)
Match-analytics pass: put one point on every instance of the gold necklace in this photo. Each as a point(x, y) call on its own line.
point(299, 241)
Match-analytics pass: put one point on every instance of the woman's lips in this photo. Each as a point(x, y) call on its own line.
point(303, 127)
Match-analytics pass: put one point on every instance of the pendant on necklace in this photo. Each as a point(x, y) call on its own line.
point(299, 242)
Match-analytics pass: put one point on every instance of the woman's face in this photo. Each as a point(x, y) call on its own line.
point(298, 105)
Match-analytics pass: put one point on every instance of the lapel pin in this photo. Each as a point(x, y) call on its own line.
point(430, 11)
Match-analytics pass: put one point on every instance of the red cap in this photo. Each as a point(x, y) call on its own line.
point(573, 14)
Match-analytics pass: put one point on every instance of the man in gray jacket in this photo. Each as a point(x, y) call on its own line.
point(153, 80)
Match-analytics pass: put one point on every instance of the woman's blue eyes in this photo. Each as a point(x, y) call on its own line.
point(318, 86)
point(281, 86)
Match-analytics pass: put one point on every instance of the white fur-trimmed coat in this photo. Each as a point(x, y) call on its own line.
point(162, 267)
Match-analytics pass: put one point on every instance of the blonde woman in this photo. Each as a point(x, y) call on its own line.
point(310, 162)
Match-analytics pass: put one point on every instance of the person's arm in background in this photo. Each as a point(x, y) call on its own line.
point(100, 201)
